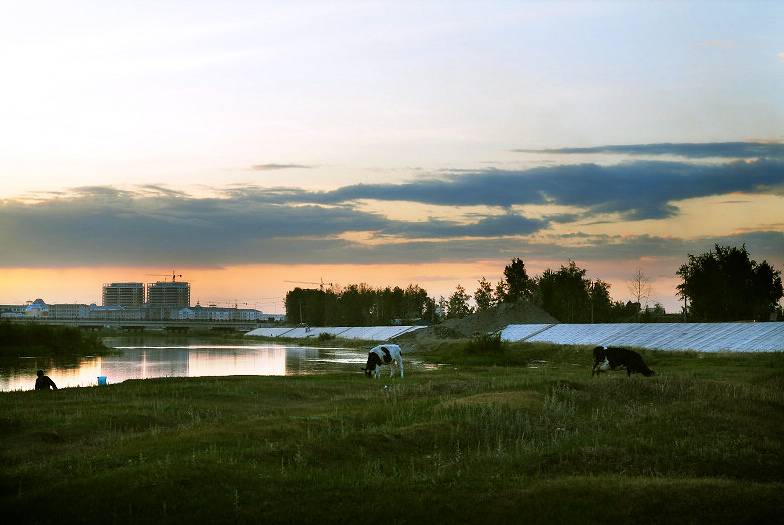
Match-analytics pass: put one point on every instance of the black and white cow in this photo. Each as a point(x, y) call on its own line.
point(384, 355)
point(611, 358)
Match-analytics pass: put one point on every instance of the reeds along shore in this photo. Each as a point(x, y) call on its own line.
point(516, 434)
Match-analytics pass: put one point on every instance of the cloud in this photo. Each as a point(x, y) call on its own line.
point(716, 43)
point(131, 229)
point(509, 224)
point(271, 167)
point(103, 225)
point(636, 190)
point(730, 150)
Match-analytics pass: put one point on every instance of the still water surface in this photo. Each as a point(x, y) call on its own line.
point(149, 358)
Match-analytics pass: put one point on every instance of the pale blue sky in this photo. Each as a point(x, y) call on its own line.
point(135, 113)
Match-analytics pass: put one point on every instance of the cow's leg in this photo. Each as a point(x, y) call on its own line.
point(400, 364)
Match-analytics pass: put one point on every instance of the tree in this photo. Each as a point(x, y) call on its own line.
point(430, 311)
point(306, 306)
point(417, 303)
point(601, 303)
point(623, 312)
point(640, 287)
point(565, 293)
point(458, 307)
point(358, 305)
point(484, 296)
point(516, 284)
point(726, 285)
point(443, 307)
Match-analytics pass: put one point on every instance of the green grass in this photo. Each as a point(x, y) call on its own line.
point(523, 435)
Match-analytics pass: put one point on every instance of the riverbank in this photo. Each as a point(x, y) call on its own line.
point(523, 435)
point(19, 339)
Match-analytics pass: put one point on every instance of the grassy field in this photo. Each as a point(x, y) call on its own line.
point(517, 435)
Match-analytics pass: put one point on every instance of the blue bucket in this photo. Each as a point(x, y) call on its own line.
point(101, 380)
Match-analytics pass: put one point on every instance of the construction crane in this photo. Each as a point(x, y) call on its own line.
point(173, 275)
point(321, 284)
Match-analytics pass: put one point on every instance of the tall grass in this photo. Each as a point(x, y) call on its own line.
point(535, 443)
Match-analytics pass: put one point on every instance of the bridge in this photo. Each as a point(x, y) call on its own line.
point(129, 325)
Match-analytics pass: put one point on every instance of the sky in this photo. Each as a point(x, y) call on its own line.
point(249, 147)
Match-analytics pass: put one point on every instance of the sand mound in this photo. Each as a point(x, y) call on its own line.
point(492, 320)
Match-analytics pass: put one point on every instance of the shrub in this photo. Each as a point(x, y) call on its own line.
point(53, 339)
point(486, 344)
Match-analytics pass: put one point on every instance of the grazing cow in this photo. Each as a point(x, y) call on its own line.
point(611, 358)
point(384, 355)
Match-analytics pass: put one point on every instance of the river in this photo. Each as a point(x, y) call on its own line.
point(144, 358)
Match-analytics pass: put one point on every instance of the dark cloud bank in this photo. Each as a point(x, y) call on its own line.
point(103, 225)
point(725, 150)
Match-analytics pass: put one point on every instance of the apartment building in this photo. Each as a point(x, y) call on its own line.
point(127, 295)
point(169, 295)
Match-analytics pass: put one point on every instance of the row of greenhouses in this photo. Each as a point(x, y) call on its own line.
point(701, 337)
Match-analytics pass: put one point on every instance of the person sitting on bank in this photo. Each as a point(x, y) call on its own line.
point(44, 382)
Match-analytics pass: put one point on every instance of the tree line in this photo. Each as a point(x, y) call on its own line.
point(359, 305)
point(721, 285)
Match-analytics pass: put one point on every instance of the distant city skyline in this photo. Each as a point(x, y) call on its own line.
point(246, 144)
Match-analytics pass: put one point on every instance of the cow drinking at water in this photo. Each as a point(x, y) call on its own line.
point(611, 358)
point(384, 355)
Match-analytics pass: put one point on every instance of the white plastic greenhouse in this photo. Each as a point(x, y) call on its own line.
point(702, 337)
point(369, 333)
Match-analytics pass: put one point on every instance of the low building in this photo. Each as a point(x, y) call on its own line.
point(12, 310)
point(37, 308)
point(214, 313)
point(107, 313)
point(69, 311)
point(248, 314)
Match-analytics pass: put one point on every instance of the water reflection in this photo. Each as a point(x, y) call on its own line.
point(146, 359)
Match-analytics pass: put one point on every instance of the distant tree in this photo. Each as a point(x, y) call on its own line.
point(640, 287)
point(623, 312)
point(726, 285)
point(500, 292)
point(358, 305)
point(458, 306)
point(442, 308)
point(601, 303)
point(306, 306)
point(430, 312)
point(565, 293)
point(389, 305)
point(416, 302)
point(484, 296)
point(516, 284)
